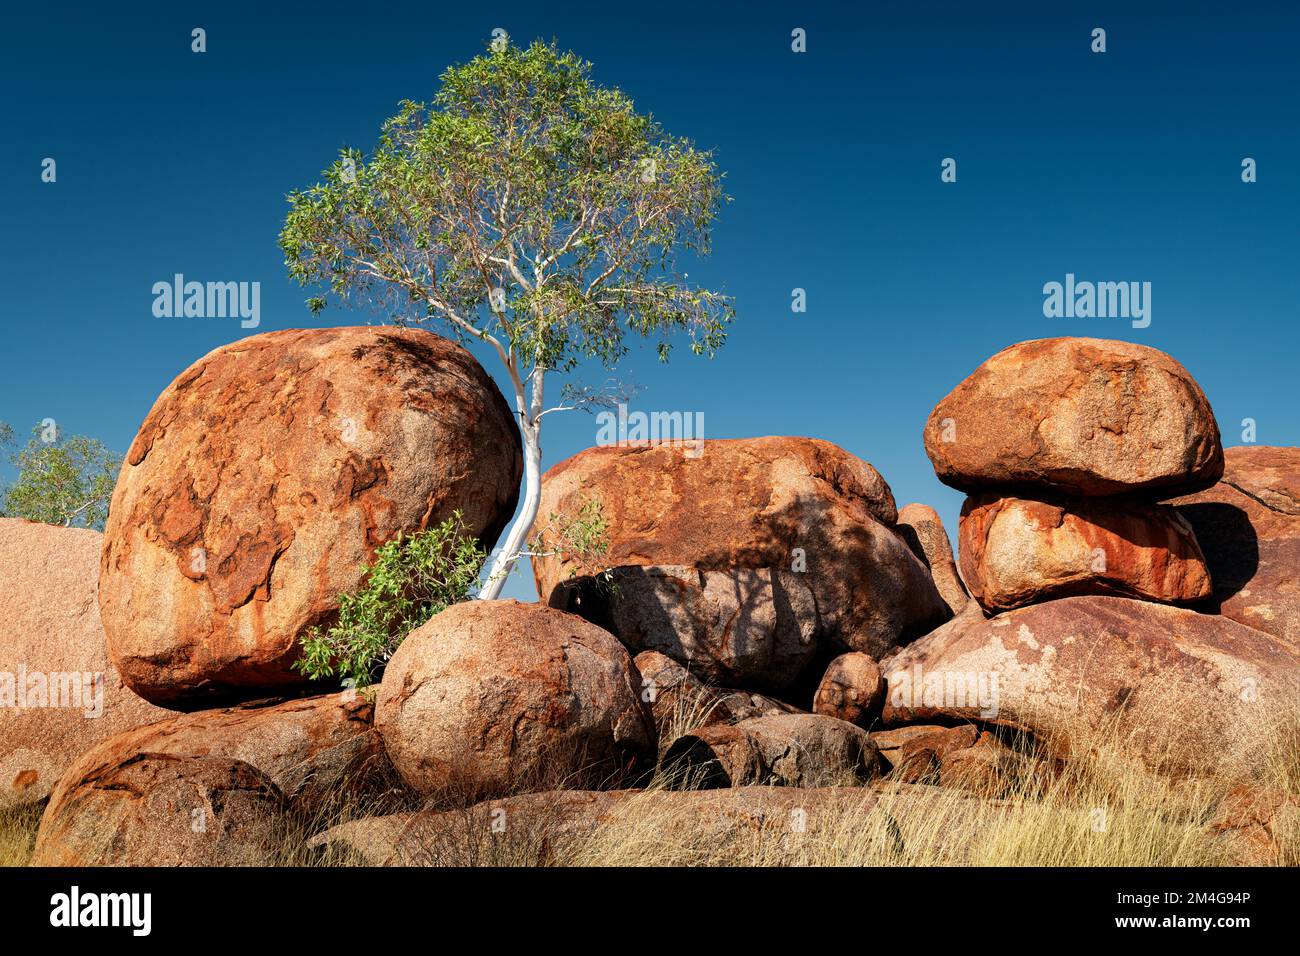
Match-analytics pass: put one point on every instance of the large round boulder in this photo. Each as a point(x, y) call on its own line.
point(1076, 415)
point(1182, 692)
point(741, 559)
point(59, 693)
point(1249, 527)
point(1016, 551)
point(494, 697)
point(261, 483)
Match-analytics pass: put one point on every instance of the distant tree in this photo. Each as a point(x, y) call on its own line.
point(65, 481)
point(527, 208)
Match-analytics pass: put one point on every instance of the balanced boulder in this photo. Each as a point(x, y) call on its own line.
point(1015, 551)
point(1249, 527)
point(59, 693)
point(1080, 416)
point(1184, 692)
point(491, 697)
point(741, 561)
point(261, 483)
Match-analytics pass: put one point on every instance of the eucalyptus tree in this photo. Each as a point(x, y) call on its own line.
point(527, 209)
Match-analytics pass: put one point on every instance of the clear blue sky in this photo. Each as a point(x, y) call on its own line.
point(1120, 166)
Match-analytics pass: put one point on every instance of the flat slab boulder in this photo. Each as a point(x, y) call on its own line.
point(164, 810)
point(741, 560)
point(491, 697)
point(1076, 415)
point(1187, 693)
point(1249, 527)
point(59, 692)
point(320, 752)
point(1015, 551)
point(260, 484)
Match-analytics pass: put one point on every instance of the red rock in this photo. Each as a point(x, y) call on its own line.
point(1015, 551)
point(741, 562)
point(261, 483)
point(1249, 527)
point(318, 751)
point(1257, 826)
point(851, 690)
point(791, 750)
point(1080, 416)
point(1185, 693)
point(678, 700)
point(490, 697)
point(50, 637)
point(163, 810)
point(921, 527)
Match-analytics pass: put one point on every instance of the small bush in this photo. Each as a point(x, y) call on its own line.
point(413, 577)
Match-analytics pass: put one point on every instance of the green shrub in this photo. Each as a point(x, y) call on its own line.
point(413, 577)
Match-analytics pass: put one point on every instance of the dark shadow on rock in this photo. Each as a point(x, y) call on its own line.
point(1230, 545)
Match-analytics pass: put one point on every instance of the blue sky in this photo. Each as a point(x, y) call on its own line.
point(1122, 166)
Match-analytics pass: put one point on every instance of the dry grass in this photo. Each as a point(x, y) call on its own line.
point(1101, 808)
point(17, 834)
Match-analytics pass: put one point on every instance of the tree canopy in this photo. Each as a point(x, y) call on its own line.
point(527, 207)
point(61, 480)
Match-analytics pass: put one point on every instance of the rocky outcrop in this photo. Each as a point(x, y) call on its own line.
point(163, 810)
point(1015, 551)
point(492, 697)
point(59, 693)
point(262, 481)
point(1249, 527)
point(1076, 416)
point(1184, 692)
point(320, 752)
point(790, 750)
point(741, 562)
point(922, 529)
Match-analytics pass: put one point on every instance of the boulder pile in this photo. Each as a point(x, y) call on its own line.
point(1063, 446)
point(759, 640)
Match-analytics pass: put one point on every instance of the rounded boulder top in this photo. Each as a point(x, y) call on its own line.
point(1077, 415)
point(263, 480)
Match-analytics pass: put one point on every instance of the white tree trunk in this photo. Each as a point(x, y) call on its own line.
point(530, 414)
